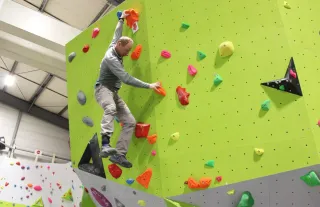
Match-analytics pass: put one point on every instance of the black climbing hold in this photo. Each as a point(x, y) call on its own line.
point(81, 98)
point(290, 83)
point(134, 192)
point(71, 56)
point(88, 121)
point(118, 203)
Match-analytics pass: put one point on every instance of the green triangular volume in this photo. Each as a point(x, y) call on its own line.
point(246, 200)
point(38, 203)
point(68, 195)
point(311, 179)
point(171, 203)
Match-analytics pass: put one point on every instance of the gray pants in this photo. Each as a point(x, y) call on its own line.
point(113, 106)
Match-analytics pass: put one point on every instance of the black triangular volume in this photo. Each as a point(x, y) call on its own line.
point(290, 83)
point(92, 153)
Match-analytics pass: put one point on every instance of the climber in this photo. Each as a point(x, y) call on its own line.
point(112, 74)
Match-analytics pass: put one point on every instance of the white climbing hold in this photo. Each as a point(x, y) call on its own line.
point(259, 151)
point(88, 121)
point(175, 136)
point(81, 98)
point(226, 49)
point(71, 56)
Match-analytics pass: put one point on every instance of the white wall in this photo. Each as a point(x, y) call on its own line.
point(33, 134)
point(38, 175)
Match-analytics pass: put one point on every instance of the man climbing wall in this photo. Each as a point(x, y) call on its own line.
point(112, 73)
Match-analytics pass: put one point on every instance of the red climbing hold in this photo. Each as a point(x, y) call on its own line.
point(152, 138)
point(292, 73)
point(219, 179)
point(183, 95)
point(318, 123)
point(86, 189)
point(18, 163)
point(132, 17)
point(144, 178)
point(23, 178)
point(192, 183)
point(95, 32)
point(136, 52)
point(85, 48)
point(6, 184)
point(115, 171)
point(142, 130)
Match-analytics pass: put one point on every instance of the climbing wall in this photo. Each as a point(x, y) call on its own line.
point(24, 183)
point(284, 189)
point(223, 123)
point(115, 194)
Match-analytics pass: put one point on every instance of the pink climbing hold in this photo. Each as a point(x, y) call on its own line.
point(22, 167)
point(37, 188)
point(192, 70)
point(319, 123)
point(165, 54)
point(95, 32)
point(153, 153)
point(49, 199)
point(48, 167)
point(292, 73)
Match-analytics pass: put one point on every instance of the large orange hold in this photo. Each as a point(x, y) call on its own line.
point(160, 90)
point(144, 178)
point(205, 182)
point(136, 52)
point(192, 183)
point(152, 138)
point(132, 18)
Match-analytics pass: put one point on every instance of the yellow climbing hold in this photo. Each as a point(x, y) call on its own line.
point(259, 151)
point(11, 163)
point(226, 49)
point(286, 5)
point(231, 192)
point(141, 203)
point(175, 136)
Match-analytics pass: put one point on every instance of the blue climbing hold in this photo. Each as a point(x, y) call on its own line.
point(130, 181)
point(117, 119)
point(119, 13)
point(88, 121)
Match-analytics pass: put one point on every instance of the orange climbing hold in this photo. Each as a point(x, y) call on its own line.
point(136, 52)
point(205, 182)
point(29, 185)
point(132, 17)
point(192, 183)
point(144, 178)
point(152, 138)
point(160, 90)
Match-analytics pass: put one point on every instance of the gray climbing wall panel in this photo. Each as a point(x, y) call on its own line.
point(280, 190)
point(128, 197)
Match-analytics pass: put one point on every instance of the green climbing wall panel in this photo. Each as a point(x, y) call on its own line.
point(223, 123)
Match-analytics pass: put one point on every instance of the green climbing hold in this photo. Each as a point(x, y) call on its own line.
point(282, 88)
point(201, 55)
point(217, 80)
point(246, 200)
point(210, 163)
point(265, 105)
point(311, 179)
point(185, 25)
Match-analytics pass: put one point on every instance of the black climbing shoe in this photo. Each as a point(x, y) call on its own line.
point(107, 150)
point(120, 160)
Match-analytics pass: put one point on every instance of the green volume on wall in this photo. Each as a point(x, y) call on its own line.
point(223, 123)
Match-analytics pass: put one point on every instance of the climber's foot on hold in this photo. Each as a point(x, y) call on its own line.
point(120, 160)
point(107, 150)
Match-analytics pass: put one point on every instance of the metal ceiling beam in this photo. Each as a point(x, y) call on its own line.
point(43, 85)
point(63, 110)
point(43, 5)
point(36, 111)
point(14, 66)
point(105, 8)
